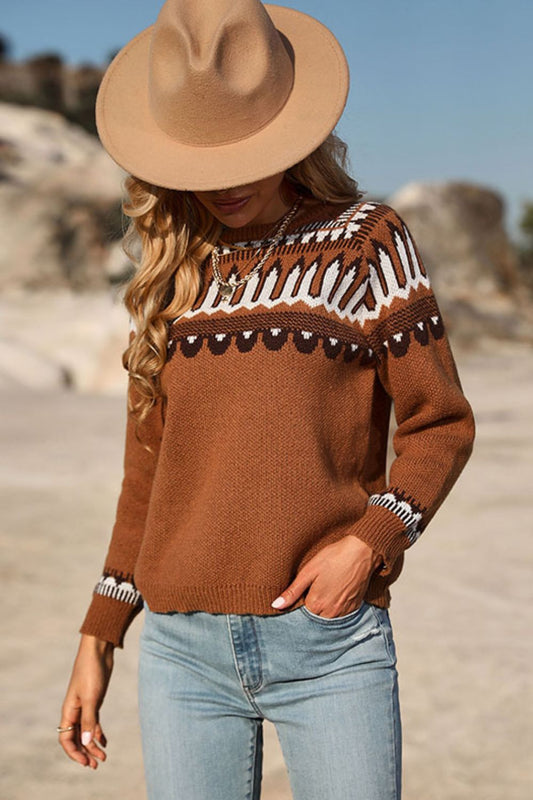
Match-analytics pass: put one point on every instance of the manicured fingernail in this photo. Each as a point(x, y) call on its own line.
point(86, 737)
point(278, 602)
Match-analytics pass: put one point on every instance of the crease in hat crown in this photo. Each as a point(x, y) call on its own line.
point(218, 71)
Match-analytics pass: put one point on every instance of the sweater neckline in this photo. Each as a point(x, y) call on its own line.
point(259, 231)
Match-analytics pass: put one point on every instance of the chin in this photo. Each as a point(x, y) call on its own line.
point(235, 220)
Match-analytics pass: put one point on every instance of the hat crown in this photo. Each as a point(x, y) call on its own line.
point(219, 70)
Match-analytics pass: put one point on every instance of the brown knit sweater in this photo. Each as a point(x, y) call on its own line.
point(274, 439)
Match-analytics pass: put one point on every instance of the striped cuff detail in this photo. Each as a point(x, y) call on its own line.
point(410, 515)
point(118, 588)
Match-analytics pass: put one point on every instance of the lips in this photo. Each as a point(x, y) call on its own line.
point(230, 205)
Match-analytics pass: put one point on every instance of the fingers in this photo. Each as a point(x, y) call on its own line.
point(82, 744)
point(92, 736)
point(302, 581)
point(69, 740)
point(93, 746)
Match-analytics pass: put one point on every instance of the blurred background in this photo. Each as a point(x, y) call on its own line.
point(439, 125)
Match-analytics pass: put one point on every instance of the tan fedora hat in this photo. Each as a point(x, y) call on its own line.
point(219, 93)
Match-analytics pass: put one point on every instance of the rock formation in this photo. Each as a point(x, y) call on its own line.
point(460, 231)
point(60, 200)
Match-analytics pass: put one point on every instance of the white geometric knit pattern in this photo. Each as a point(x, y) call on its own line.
point(275, 290)
point(119, 589)
point(384, 268)
point(403, 510)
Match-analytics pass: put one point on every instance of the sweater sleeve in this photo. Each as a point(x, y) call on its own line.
point(116, 600)
point(405, 334)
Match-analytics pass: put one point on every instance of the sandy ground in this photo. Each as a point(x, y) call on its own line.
point(461, 610)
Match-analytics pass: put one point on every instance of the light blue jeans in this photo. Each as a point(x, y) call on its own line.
point(328, 685)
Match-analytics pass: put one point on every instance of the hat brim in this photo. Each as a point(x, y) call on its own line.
point(135, 142)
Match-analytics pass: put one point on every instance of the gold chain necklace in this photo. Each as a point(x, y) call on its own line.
point(227, 287)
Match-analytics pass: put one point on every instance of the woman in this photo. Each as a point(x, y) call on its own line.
point(275, 318)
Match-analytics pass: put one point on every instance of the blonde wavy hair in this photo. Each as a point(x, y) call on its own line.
point(176, 234)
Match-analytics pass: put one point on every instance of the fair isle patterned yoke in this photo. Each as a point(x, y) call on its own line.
point(333, 285)
point(274, 439)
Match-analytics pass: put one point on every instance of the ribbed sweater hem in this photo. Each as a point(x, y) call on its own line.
point(242, 598)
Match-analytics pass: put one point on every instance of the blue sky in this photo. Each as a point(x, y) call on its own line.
point(440, 89)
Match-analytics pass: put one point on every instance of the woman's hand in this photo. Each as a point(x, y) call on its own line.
point(88, 684)
point(338, 575)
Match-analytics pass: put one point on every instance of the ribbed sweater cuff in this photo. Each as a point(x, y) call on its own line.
point(384, 532)
point(109, 619)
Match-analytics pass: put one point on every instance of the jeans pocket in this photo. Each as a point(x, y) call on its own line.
point(333, 621)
